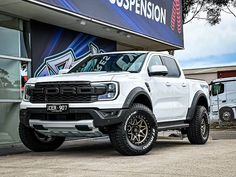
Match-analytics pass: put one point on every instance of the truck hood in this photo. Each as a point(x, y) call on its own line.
point(90, 76)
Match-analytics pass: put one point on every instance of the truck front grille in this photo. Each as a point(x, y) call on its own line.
point(65, 92)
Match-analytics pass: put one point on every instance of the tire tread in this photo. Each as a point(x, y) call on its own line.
point(118, 138)
point(29, 139)
point(194, 131)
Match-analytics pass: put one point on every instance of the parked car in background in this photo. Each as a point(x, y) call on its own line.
point(223, 99)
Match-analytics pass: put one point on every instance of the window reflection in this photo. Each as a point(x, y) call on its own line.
point(24, 74)
point(9, 44)
point(9, 79)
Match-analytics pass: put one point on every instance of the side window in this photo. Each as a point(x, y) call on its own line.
point(155, 60)
point(217, 89)
point(173, 69)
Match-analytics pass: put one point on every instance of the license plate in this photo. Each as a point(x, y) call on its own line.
point(57, 108)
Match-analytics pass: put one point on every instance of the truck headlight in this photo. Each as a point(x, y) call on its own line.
point(112, 90)
point(26, 95)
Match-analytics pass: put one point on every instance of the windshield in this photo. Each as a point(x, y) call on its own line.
point(131, 62)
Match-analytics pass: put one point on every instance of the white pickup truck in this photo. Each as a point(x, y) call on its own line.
point(129, 96)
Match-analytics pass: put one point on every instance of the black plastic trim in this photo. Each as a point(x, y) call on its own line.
point(193, 107)
point(83, 128)
point(170, 123)
point(231, 80)
point(96, 114)
point(134, 94)
point(39, 127)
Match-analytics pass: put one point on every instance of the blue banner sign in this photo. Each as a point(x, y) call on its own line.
point(159, 20)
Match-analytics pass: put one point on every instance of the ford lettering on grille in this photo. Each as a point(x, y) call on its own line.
point(65, 92)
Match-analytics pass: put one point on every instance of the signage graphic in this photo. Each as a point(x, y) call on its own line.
point(157, 19)
point(145, 8)
point(176, 16)
point(55, 48)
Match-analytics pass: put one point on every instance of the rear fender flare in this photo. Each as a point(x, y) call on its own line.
point(192, 109)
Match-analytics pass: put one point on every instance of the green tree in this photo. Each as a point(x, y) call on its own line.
point(210, 10)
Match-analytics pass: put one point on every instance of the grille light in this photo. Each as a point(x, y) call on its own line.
point(111, 90)
point(26, 95)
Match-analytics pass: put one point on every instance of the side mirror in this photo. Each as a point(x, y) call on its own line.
point(63, 71)
point(158, 70)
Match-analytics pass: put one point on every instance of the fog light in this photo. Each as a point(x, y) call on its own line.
point(110, 113)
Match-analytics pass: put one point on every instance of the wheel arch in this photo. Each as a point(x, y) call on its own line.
point(138, 95)
point(199, 99)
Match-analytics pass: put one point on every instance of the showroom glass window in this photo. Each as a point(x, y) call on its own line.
point(14, 49)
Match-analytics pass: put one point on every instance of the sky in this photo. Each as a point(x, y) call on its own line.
point(207, 46)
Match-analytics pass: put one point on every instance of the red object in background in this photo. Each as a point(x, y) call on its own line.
point(224, 74)
point(23, 81)
point(176, 16)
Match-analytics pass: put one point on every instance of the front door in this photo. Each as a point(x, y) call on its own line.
point(161, 93)
point(179, 89)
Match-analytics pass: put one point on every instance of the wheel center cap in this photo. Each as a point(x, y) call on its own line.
point(136, 129)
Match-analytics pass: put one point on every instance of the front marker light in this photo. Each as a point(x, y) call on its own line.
point(26, 96)
point(111, 90)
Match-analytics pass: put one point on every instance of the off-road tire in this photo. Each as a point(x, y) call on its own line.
point(120, 134)
point(229, 111)
point(31, 140)
point(195, 132)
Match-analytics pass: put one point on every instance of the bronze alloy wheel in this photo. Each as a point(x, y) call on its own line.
point(137, 133)
point(137, 129)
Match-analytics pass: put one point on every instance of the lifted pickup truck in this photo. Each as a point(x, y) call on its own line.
point(129, 96)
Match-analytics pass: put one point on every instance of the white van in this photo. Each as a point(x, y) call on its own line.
point(223, 99)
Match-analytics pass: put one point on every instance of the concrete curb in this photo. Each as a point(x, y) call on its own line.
point(225, 134)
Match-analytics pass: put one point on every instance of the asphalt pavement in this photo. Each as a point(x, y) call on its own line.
point(169, 158)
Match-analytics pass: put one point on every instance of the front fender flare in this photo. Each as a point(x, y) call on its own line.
point(134, 94)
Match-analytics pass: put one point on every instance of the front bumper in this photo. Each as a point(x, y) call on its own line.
point(100, 118)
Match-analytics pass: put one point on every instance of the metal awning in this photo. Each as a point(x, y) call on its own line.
point(36, 10)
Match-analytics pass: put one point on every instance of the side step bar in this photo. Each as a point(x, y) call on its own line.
point(172, 126)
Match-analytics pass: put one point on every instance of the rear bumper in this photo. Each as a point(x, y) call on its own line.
point(99, 118)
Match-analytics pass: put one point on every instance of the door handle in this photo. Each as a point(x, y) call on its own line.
point(168, 84)
point(184, 85)
point(224, 101)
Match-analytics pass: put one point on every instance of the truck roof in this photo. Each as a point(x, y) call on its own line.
point(228, 79)
point(164, 53)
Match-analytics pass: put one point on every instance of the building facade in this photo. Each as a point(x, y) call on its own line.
point(212, 73)
point(40, 37)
